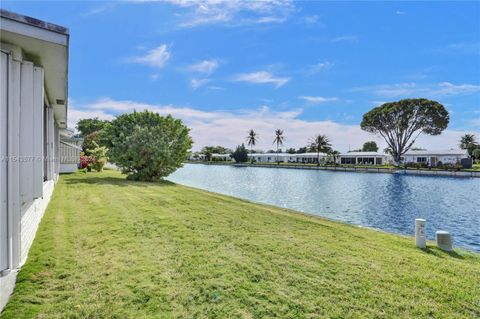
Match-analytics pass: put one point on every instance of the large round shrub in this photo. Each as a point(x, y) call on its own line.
point(148, 146)
point(240, 155)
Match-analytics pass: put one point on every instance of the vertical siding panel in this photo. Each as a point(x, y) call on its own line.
point(26, 134)
point(38, 132)
point(14, 164)
point(56, 139)
point(3, 161)
point(49, 142)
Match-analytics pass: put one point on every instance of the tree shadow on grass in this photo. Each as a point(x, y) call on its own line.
point(122, 182)
point(441, 253)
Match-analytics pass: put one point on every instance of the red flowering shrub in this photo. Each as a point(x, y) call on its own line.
point(86, 161)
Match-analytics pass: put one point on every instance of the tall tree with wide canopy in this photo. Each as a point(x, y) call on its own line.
point(279, 139)
point(148, 146)
point(89, 126)
point(400, 123)
point(320, 143)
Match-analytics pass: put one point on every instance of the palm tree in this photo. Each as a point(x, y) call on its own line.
point(320, 143)
point(334, 154)
point(279, 139)
point(252, 140)
point(468, 142)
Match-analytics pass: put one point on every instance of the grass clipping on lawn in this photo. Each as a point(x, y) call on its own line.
point(112, 248)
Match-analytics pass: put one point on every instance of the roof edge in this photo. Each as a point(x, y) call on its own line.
point(34, 22)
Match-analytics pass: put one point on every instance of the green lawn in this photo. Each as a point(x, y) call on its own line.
point(112, 248)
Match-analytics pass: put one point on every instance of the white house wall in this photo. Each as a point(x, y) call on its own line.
point(26, 134)
point(445, 159)
point(3, 162)
point(38, 107)
point(23, 142)
point(13, 179)
point(56, 159)
point(31, 219)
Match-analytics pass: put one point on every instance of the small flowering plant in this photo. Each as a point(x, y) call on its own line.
point(99, 156)
point(86, 162)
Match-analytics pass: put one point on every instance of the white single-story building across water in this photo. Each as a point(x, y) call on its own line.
point(430, 158)
point(363, 158)
point(33, 110)
point(288, 158)
point(213, 156)
point(435, 158)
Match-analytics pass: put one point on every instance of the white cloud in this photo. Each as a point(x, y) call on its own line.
point(100, 9)
point(425, 90)
point(154, 76)
point(202, 12)
point(75, 114)
point(157, 57)
point(261, 77)
point(447, 88)
point(313, 19)
point(318, 67)
point(474, 122)
point(389, 90)
point(196, 83)
point(230, 128)
point(318, 99)
point(216, 88)
point(114, 107)
point(271, 19)
point(95, 11)
point(464, 47)
point(345, 38)
point(400, 12)
point(377, 103)
point(205, 66)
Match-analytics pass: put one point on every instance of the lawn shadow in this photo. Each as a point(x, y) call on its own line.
point(106, 180)
point(441, 253)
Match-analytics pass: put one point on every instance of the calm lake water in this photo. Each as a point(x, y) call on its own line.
point(389, 202)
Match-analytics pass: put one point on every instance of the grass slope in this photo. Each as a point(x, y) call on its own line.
point(112, 248)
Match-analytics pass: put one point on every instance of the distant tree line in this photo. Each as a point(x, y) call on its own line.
point(398, 123)
point(148, 146)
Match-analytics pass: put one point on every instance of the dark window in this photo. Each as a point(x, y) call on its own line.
point(347, 160)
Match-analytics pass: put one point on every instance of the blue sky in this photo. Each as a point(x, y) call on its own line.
point(307, 67)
